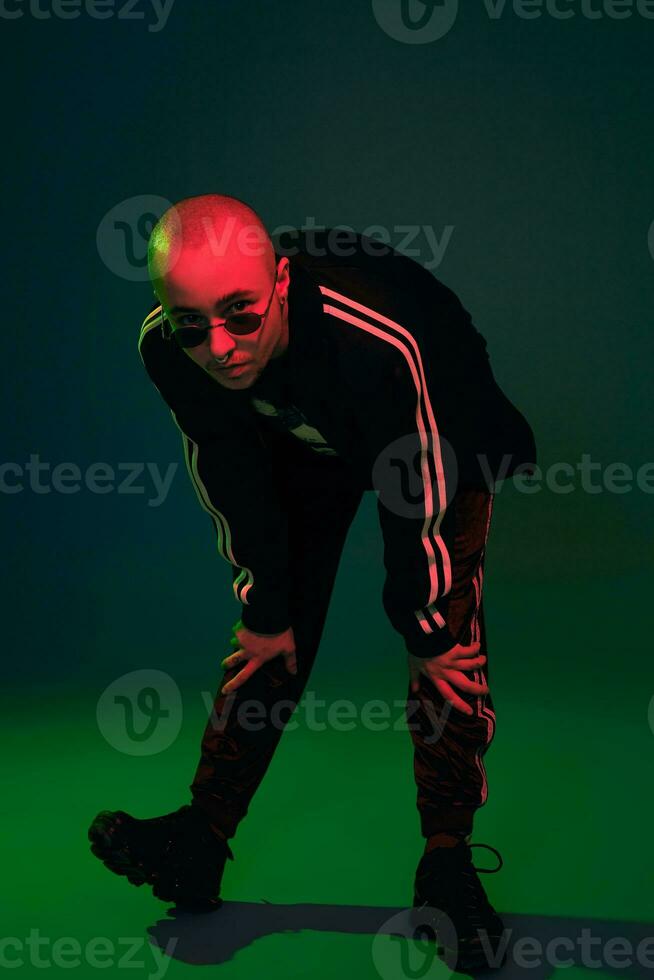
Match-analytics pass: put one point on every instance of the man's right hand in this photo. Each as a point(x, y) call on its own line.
point(253, 650)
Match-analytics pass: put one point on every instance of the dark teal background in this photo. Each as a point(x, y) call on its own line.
point(534, 140)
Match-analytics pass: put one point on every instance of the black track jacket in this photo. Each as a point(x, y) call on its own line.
point(383, 368)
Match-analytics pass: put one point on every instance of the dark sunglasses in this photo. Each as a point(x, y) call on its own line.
point(238, 324)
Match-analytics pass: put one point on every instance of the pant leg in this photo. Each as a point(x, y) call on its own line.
point(321, 496)
point(449, 746)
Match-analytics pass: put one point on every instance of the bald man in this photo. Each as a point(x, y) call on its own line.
point(300, 377)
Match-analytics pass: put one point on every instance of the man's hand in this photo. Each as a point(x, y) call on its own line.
point(253, 650)
point(446, 669)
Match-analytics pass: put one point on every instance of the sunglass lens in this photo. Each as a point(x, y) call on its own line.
point(242, 323)
point(190, 336)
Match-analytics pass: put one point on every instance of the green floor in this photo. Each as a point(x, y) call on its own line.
point(326, 856)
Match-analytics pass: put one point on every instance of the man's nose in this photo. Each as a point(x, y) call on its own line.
point(220, 341)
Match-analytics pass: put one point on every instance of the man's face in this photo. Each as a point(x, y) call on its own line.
point(203, 289)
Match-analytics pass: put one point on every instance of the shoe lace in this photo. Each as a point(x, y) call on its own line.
point(491, 871)
point(471, 900)
point(475, 898)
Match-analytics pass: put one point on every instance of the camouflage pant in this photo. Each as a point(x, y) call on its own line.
point(322, 499)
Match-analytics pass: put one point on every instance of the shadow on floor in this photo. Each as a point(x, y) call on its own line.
point(536, 945)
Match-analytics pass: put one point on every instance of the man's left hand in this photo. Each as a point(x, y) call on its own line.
point(446, 669)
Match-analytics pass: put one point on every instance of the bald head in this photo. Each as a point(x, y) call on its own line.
point(215, 225)
point(211, 258)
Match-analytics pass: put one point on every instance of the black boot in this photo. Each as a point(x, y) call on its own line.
point(447, 887)
point(178, 854)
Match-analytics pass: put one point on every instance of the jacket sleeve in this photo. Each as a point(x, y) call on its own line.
point(231, 471)
point(414, 490)
point(414, 477)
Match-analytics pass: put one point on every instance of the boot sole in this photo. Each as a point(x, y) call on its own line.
point(107, 844)
point(469, 954)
